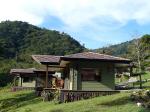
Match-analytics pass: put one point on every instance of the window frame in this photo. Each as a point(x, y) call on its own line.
point(96, 77)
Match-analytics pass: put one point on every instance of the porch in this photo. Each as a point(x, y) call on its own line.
point(63, 96)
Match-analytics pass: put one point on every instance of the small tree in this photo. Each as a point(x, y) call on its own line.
point(138, 55)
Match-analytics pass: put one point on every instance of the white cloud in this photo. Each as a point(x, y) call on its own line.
point(15, 10)
point(75, 13)
point(99, 15)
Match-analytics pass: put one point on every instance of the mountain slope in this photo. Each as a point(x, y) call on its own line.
point(130, 49)
point(116, 50)
point(19, 39)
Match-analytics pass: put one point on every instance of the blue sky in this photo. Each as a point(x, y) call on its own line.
point(94, 23)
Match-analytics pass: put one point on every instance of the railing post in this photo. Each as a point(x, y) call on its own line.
point(61, 99)
point(46, 81)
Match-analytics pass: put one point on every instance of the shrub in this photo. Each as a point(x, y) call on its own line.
point(51, 95)
point(142, 97)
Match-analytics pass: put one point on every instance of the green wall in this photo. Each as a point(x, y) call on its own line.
point(107, 76)
point(26, 84)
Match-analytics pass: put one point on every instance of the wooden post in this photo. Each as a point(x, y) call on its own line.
point(140, 80)
point(46, 83)
point(14, 83)
point(21, 81)
point(36, 83)
point(131, 70)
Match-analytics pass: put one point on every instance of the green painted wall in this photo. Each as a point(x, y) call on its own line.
point(107, 76)
point(26, 84)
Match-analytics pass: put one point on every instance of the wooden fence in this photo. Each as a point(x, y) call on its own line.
point(19, 88)
point(73, 95)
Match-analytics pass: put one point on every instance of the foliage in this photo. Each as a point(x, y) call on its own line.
point(128, 50)
point(142, 97)
point(116, 50)
point(145, 81)
point(19, 40)
point(51, 95)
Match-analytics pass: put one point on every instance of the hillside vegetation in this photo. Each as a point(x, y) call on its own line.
point(130, 49)
point(19, 40)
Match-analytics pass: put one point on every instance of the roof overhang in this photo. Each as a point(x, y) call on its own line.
point(100, 60)
point(59, 61)
point(29, 72)
point(49, 63)
point(46, 59)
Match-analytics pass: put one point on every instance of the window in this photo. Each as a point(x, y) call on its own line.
point(27, 79)
point(90, 74)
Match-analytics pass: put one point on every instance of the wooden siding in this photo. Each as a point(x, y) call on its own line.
point(107, 76)
point(94, 86)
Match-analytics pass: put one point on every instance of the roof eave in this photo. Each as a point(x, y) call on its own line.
point(49, 63)
point(102, 60)
point(34, 58)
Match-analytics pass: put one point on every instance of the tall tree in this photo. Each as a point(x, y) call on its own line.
point(139, 52)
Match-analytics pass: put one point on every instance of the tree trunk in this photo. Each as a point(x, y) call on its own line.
point(139, 64)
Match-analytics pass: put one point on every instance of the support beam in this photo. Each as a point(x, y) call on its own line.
point(131, 71)
point(56, 66)
point(46, 81)
point(36, 83)
point(21, 81)
point(14, 83)
point(140, 80)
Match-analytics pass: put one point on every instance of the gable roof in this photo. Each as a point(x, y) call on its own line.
point(94, 56)
point(55, 60)
point(47, 59)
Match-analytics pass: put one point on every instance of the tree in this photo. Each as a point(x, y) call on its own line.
point(138, 52)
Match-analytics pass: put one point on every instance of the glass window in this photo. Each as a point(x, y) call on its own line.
point(27, 79)
point(90, 74)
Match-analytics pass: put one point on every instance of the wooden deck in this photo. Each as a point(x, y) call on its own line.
point(72, 95)
point(75, 95)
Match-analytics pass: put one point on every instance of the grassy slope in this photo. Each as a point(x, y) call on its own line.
point(144, 77)
point(26, 101)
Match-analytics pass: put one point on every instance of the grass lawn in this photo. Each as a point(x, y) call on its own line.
point(144, 77)
point(26, 101)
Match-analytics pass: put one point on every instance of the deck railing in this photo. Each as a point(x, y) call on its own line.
point(75, 95)
point(19, 88)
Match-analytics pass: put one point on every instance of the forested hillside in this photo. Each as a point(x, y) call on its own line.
point(19, 40)
point(131, 49)
point(117, 50)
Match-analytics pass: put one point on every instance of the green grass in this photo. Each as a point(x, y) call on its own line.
point(144, 77)
point(26, 101)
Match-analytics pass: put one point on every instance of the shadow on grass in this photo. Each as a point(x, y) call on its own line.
point(144, 110)
point(119, 101)
point(57, 110)
point(18, 101)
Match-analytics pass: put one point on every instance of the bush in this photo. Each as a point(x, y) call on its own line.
point(142, 97)
point(51, 95)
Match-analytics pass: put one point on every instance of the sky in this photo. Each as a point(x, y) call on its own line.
point(94, 23)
